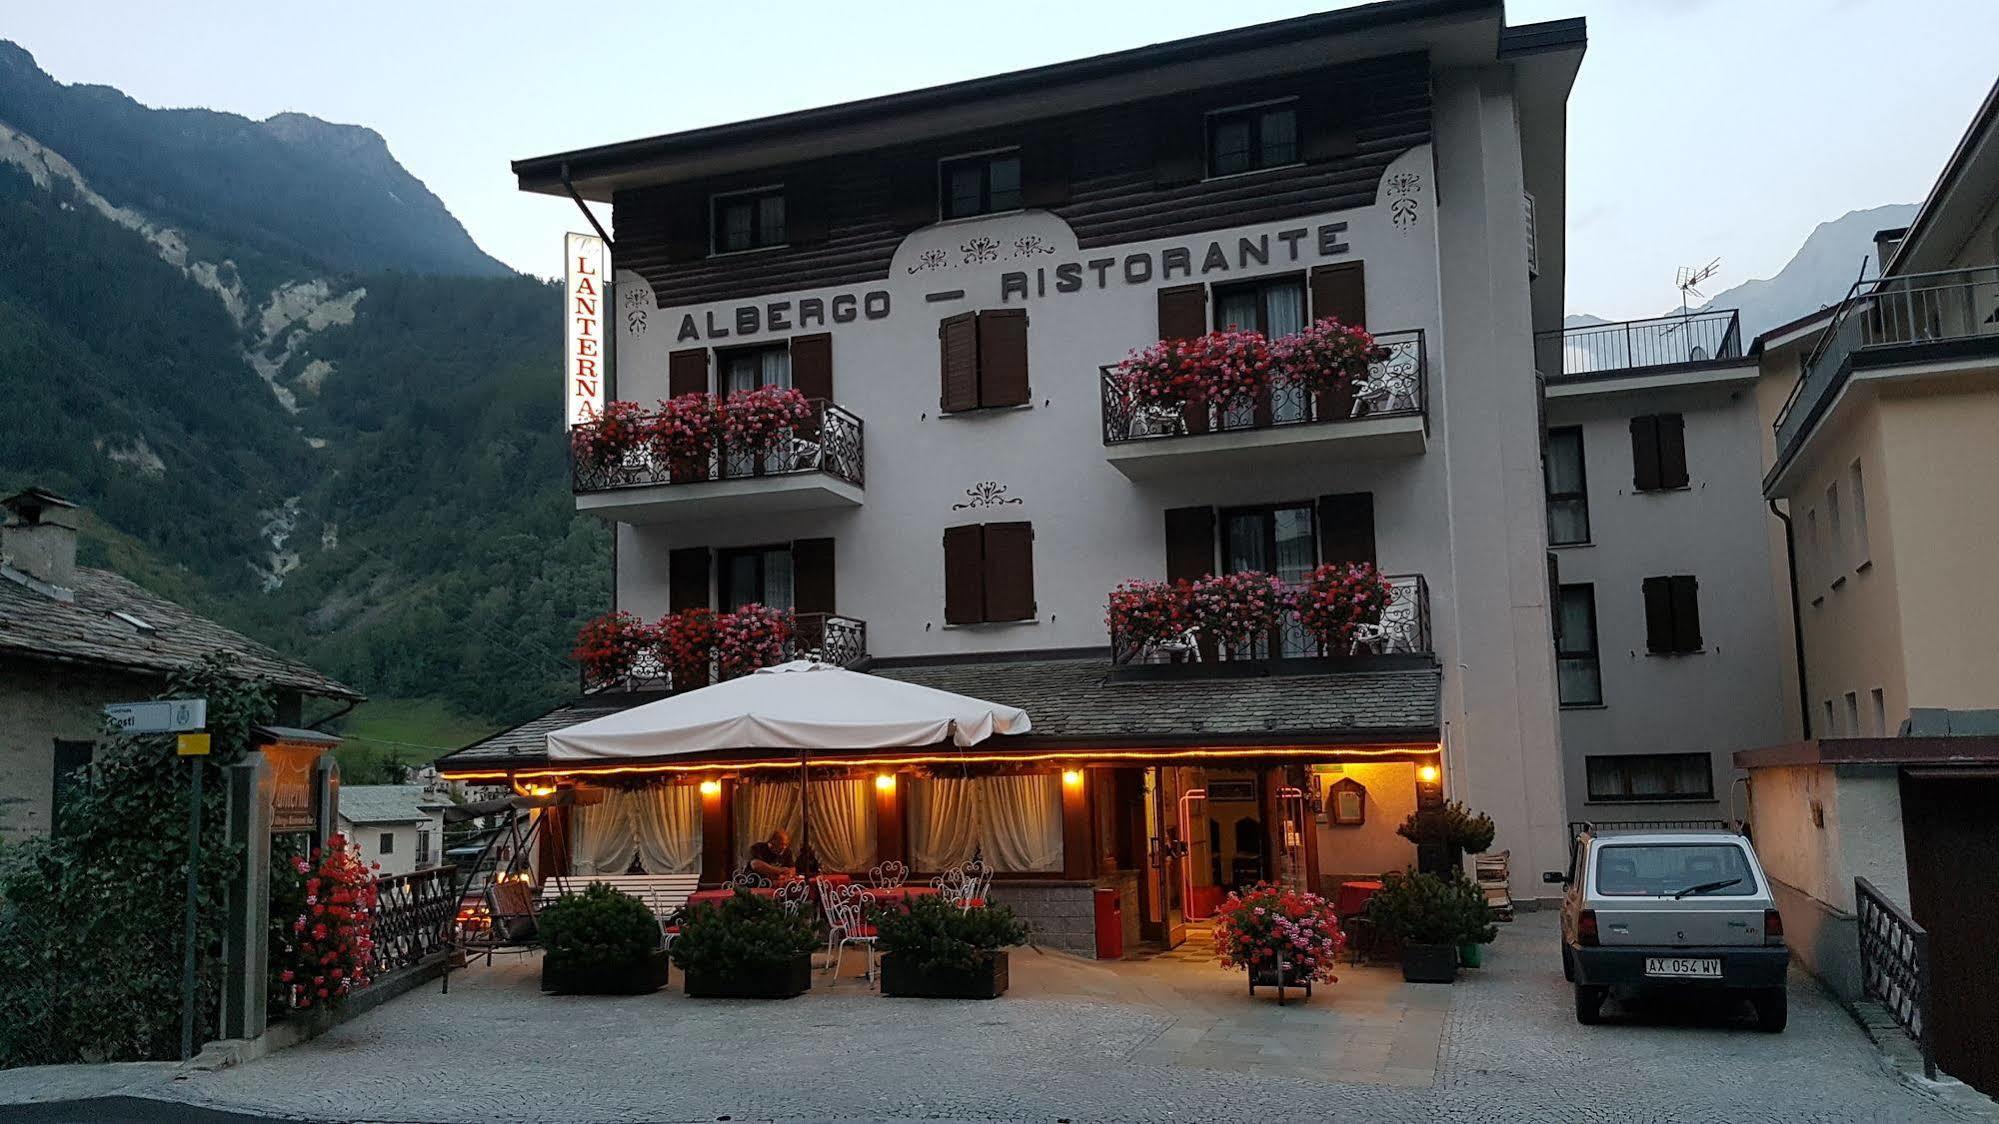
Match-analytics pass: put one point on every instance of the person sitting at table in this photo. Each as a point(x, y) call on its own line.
point(772, 857)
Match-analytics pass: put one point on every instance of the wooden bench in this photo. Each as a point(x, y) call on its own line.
point(664, 894)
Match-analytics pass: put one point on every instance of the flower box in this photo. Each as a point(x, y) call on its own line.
point(988, 980)
point(1430, 963)
point(791, 979)
point(640, 977)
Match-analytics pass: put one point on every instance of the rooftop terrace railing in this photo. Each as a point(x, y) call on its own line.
point(1629, 345)
point(1898, 311)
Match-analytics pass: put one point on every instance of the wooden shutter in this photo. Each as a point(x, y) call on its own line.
point(1686, 613)
point(1645, 453)
point(1346, 527)
point(1044, 168)
point(687, 578)
point(1183, 314)
point(686, 222)
point(1658, 615)
point(812, 376)
point(1179, 144)
point(1338, 290)
point(964, 574)
point(812, 589)
point(687, 372)
point(958, 362)
point(1010, 571)
point(1190, 543)
point(1672, 451)
point(1002, 374)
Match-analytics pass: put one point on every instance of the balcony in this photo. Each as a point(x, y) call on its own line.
point(1948, 316)
point(1662, 342)
point(818, 465)
point(827, 637)
point(1386, 415)
point(1402, 630)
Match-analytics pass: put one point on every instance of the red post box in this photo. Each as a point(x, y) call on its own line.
point(1110, 924)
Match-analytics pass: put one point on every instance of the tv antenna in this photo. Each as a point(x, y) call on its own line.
point(1689, 279)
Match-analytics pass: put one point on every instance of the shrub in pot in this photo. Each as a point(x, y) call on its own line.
point(1430, 916)
point(1285, 938)
point(601, 942)
point(1445, 833)
point(748, 947)
point(938, 950)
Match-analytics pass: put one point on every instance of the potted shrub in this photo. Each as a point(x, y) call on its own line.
point(687, 646)
point(601, 942)
point(758, 421)
point(683, 433)
point(1326, 356)
point(609, 647)
point(1145, 614)
point(1285, 938)
point(602, 445)
point(1235, 610)
point(328, 951)
point(1445, 833)
point(1337, 600)
point(1430, 916)
point(753, 636)
point(748, 947)
point(937, 950)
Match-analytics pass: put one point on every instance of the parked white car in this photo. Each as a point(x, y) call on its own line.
point(1671, 911)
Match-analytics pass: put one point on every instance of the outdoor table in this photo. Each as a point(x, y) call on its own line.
point(716, 897)
point(899, 896)
point(1353, 897)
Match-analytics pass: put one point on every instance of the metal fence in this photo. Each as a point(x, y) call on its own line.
point(1662, 341)
point(827, 637)
point(1895, 965)
point(413, 913)
point(1403, 629)
point(829, 442)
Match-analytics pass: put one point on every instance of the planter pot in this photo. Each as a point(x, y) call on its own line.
point(636, 978)
point(1430, 963)
point(1471, 954)
point(987, 981)
point(1294, 979)
point(785, 982)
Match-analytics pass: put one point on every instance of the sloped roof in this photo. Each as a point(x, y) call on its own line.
point(168, 637)
point(528, 742)
point(385, 803)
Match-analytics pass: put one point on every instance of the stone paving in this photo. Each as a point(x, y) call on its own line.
point(1168, 1039)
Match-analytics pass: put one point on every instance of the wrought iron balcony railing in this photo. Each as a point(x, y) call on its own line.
point(1404, 629)
point(1629, 345)
point(1394, 387)
point(1887, 312)
point(827, 637)
point(830, 442)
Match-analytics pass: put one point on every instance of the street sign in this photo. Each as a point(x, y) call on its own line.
point(192, 745)
point(160, 716)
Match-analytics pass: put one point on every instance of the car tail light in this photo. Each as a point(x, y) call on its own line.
point(1586, 927)
point(1773, 927)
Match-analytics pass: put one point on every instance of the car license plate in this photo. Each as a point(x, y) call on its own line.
point(1697, 968)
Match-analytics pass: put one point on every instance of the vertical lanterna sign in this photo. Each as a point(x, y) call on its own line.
point(584, 270)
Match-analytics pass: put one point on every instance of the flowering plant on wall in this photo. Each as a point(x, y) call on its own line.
point(330, 948)
point(759, 420)
point(618, 430)
point(609, 646)
point(687, 645)
point(1233, 365)
point(753, 636)
point(685, 427)
point(1234, 609)
point(1267, 926)
point(1146, 613)
point(1337, 599)
point(1325, 356)
point(1159, 376)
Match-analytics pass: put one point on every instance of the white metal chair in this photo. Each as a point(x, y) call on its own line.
point(889, 875)
point(794, 894)
point(966, 886)
point(847, 909)
point(749, 880)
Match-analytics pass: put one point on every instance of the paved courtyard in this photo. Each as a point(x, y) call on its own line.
point(1169, 1039)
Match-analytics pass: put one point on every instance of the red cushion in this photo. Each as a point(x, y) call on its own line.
point(862, 931)
point(977, 903)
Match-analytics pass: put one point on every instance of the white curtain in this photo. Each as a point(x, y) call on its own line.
point(667, 820)
point(943, 822)
point(1021, 821)
point(762, 809)
point(604, 839)
point(843, 823)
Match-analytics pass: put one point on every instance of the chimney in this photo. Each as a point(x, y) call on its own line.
point(1886, 242)
point(38, 541)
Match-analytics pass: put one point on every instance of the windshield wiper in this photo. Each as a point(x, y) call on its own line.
point(1706, 887)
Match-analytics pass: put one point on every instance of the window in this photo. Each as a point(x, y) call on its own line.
point(1672, 614)
point(1808, 561)
point(1658, 452)
point(1568, 487)
point(749, 220)
point(1280, 540)
point(1853, 713)
point(1578, 675)
point(758, 575)
point(423, 846)
point(388, 844)
point(1274, 308)
point(749, 368)
point(1880, 705)
point(1856, 494)
point(1831, 721)
point(982, 360)
point(989, 573)
point(980, 185)
point(1664, 870)
point(1252, 138)
point(1650, 776)
point(1835, 541)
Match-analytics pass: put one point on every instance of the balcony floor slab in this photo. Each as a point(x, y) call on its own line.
point(1276, 447)
point(749, 495)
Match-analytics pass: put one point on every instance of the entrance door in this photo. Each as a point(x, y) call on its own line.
point(1165, 914)
point(1951, 836)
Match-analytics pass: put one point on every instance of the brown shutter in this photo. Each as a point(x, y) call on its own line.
point(964, 574)
point(1658, 614)
point(687, 578)
point(1645, 453)
point(687, 372)
point(958, 363)
point(1339, 291)
point(812, 588)
point(1044, 168)
point(1002, 374)
point(1190, 543)
point(1672, 451)
point(1686, 613)
point(812, 376)
point(1010, 571)
point(1179, 145)
point(1183, 315)
point(1346, 527)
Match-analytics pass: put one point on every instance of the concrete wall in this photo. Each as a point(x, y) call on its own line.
point(40, 703)
point(1717, 530)
point(1373, 847)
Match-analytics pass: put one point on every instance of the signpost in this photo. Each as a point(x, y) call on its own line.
point(183, 717)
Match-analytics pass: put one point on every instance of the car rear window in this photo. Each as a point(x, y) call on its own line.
point(1665, 869)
